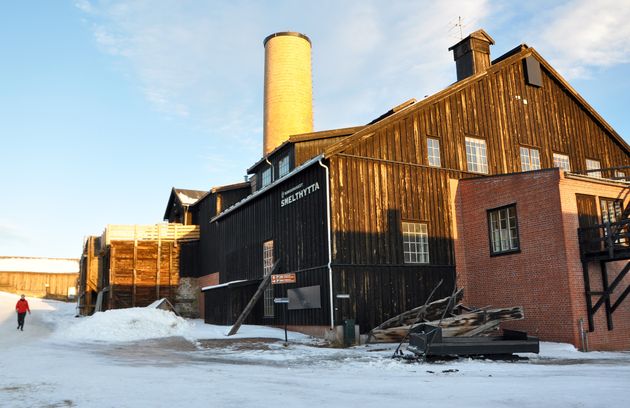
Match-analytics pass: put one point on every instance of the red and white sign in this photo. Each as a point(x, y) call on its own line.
point(283, 278)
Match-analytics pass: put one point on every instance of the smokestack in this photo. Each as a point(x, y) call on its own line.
point(288, 104)
point(472, 54)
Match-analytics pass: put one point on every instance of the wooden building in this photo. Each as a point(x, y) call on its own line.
point(52, 278)
point(134, 265)
point(368, 211)
point(179, 203)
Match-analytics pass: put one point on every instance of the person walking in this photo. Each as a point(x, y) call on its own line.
point(21, 307)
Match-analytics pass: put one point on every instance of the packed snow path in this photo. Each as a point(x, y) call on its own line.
point(58, 362)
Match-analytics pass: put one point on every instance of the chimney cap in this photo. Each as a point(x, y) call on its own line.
point(479, 34)
point(286, 33)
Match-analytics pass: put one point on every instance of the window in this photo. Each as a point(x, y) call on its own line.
point(530, 159)
point(620, 175)
point(476, 158)
point(593, 165)
point(612, 211)
point(267, 267)
point(283, 166)
point(561, 161)
point(266, 177)
point(433, 152)
point(415, 242)
point(502, 225)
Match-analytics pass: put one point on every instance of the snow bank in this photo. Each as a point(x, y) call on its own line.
point(125, 325)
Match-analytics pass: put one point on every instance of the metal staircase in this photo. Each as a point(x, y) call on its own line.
point(605, 243)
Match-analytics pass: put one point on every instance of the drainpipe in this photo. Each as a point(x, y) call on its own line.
point(330, 277)
point(271, 166)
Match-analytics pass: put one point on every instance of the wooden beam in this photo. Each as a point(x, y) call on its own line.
point(253, 300)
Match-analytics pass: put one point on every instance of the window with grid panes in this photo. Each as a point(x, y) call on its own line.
point(561, 161)
point(266, 177)
point(476, 158)
point(415, 242)
point(503, 229)
point(612, 211)
point(530, 159)
point(593, 165)
point(267, 267)
point(433, 152)
point(283, 166)
point(620, 175)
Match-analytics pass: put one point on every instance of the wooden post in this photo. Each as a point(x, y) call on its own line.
point(253, 300)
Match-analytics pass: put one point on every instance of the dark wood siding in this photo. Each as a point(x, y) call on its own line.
point(299, 232)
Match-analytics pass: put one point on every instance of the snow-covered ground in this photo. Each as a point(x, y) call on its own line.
point(151, 358)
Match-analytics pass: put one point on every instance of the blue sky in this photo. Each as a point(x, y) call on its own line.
point(105, 105)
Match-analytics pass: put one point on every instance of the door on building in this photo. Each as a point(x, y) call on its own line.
point(587, 218)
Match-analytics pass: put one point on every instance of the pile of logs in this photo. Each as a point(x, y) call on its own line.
point(448, 313)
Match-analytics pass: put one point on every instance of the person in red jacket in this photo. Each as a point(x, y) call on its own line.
point(21, 307)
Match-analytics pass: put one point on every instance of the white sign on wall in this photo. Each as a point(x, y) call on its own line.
point(298, 192)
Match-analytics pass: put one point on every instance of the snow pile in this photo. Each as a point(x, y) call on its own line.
point(126, 325)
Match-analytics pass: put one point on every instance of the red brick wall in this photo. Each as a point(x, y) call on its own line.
point(206, 280)
point(601, 338)
point(546, 276)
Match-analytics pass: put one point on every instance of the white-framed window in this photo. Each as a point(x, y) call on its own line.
point(530, 159)
point(266, 177)
point(267, 267)
point(503, 229)
point(593, 165)
point(433, 152)
point(415, 242)
point(283, 166)
point(561, 161)
point(620, 175)
point(476, 158)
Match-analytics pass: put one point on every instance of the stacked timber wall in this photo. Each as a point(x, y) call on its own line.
point(141, 272)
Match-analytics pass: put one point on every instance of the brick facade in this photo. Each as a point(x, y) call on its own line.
point(546, 276)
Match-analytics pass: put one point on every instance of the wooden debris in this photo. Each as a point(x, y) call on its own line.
point(463, 325)
point(432, 311)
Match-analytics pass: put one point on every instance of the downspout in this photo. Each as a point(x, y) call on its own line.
point(271, 166)
point(330, 276)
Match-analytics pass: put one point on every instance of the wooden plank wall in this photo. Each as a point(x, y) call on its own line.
point(298, 231)
point(34, 284)
point(306, 150)
point(380, 292)
point(137, 278)
point(493, 108)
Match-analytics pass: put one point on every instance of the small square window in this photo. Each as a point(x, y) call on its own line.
point(593, 165)
point(433, 152)
point(415, 242)
point(561, 161)
point(530, 159)
point(503, 229)
point(620, 175)
point(476, 158)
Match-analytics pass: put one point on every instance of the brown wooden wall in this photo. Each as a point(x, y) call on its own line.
point(34, 284)
point(136, 276)
point(492, 107)
point(306, 150)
